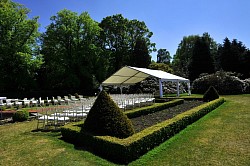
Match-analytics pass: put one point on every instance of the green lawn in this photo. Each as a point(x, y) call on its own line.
point(220, 138)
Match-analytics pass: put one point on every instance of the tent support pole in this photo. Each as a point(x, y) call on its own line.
point(160, 88)
point(100, 88)
point(121, 89)
point(189, 91)
point(178, 88)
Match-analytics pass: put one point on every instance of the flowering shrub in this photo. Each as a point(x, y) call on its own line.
point(223, 82)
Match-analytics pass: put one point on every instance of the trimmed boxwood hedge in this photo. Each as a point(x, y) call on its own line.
point(72, 130)
point(210, 94)
point(106, 118)
point(128, 149)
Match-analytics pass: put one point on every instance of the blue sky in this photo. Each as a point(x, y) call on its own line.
point(169, 20)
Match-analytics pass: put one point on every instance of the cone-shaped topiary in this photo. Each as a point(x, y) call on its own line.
point(105, 118)
point(210, 94)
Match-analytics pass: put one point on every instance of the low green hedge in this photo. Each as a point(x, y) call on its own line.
point(153, 108)
point(126, 150)
point(71, 132)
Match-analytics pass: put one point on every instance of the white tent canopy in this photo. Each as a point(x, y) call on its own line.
point(131, 75)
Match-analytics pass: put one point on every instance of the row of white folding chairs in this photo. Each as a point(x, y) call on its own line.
point(124, 101)
point(49, 120)
point(85, 104)
point(133, 103)
point(76, 110)
point(60, 116)
point(128, 101)
point(132, 96)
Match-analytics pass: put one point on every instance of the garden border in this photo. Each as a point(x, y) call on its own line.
point(126, 150)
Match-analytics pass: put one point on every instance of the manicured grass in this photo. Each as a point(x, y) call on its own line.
point(220, 138)
point(20, 146)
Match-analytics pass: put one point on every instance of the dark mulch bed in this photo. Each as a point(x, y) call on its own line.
point(145, 121)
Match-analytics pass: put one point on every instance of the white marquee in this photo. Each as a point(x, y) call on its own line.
point(131, 75)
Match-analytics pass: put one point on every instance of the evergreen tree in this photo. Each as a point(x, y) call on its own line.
point(163, 56)
point(201, 60)
point(233, 56)
point(225, 58)
point(141, 57)
point(244, 64)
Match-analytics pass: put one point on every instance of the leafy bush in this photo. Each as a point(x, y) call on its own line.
point(223, 82)
point(211, 94)
point(20, 115)
point(105, 118)
point(3, 108)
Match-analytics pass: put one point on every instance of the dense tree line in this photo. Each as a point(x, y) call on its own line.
point(19, 55)
point(71, 52)
point(77, 53)
point(74, 53)
point(233, 56)
point(198, 55)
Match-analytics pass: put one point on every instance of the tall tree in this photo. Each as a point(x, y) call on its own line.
point(19, 55)
point(225, 57)
point(201, 59)
point(245, 61)
point(141, 57)
point(71, 52)
point(119, 36)
point(234, 56)
point(183, 56)
point(163, 56)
